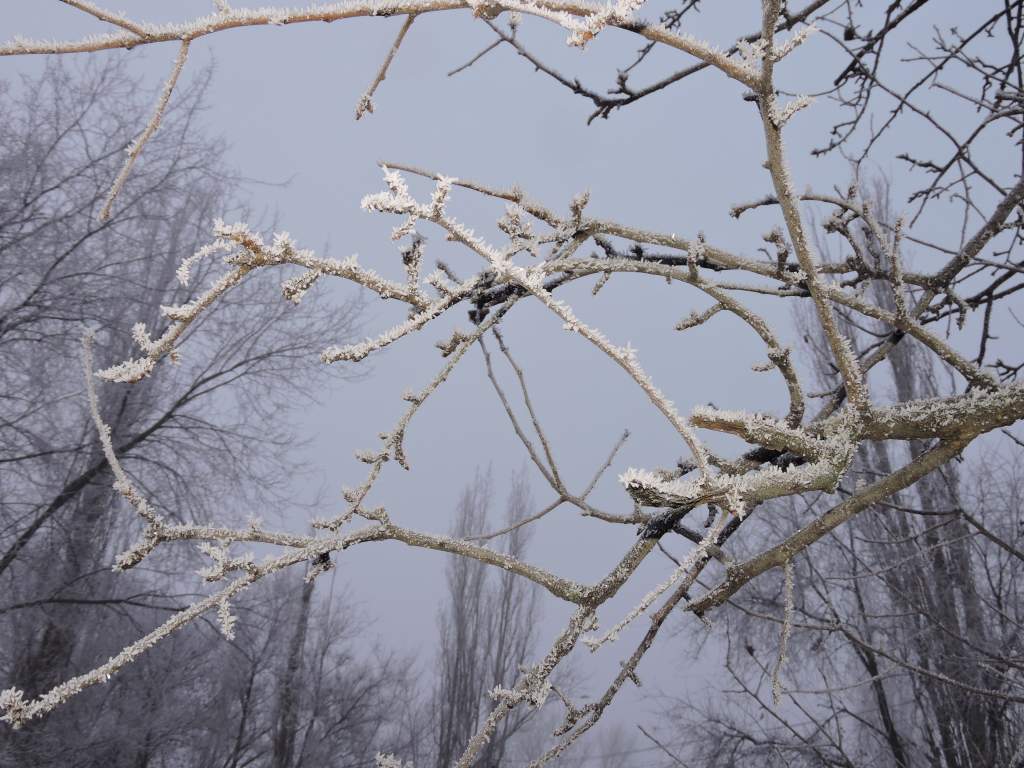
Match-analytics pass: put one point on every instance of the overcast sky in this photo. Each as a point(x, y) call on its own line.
point(284, 99)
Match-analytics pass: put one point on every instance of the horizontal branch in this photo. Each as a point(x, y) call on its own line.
point(565, 589)
point(776, 557)
point(948, 418)
point(557, 11)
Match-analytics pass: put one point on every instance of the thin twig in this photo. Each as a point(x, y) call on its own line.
point(519, 523)
point(662, 747)
point(476, 58)
point(529, 406)
point(366, 102)
point(607, 463)
point(547, 470)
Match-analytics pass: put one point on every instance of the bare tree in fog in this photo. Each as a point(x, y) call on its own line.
point(907, 624)
point(192, 439)
point(832, 458)
point(488, 627)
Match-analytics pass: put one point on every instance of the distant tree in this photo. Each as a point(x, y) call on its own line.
point(185, 435)
point(487, 626)
point(907, 625)
point(616, 747)
point(322, 701)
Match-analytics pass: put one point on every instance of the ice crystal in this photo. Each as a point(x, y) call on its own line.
point(390, 761)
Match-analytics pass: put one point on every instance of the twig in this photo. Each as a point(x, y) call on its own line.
point(476, 58)
point(366, 102)
point(608, 462)
point(547, 470)
point(521, 377)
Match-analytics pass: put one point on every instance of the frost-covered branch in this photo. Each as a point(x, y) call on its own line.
point(366, 101)
point(154, 122)
point(117, 20)
point(582, 20)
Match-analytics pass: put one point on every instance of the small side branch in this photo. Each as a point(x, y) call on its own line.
point(107, 16)
point(154, 122)
point(366, 101)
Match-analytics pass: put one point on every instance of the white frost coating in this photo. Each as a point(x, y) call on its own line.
point(766, 431)
point(538, 693)
point(614, 13)
point(440, 196)
point(122, 484)
point(405, 228)
point(533, 8)
point(226, 619)
point(14, 706)
point(177, 313)
point(154, 122)
point(515, 223)
point(17, 710)
point(440, 282)
point(369, 457)
point(284, 251)
point(141, 336)
point(779, 52)
point(751, 55)
point(736, 491)
point(129, 371)
point(295, 288)
point(223, 564)
point(225, 18)
point(135, 370)
point(781, 117)
point(695, 318)
point(254, 254)
point(184, 271)
point(535, 692)
point(398, 200)
point(390, 761)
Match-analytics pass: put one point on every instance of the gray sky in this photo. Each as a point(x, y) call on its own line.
point(284, 99)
